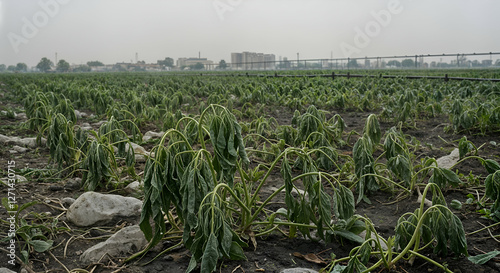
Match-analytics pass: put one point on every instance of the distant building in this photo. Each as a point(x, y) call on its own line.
point(188, 62)
point(251, 60)
point(487, 62)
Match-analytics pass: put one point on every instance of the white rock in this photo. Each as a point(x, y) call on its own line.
point(29, 142)
point(13, 151)
point(19, 149)
point(134, 187)
point(92, 207)
point(6, 270)
point(98, 124)
point(450, 160)
point(79, 114)
point(150, 134)
point(18, 178)
point(21, 116)
point(122, 243)
point(86, 126)
point(138, 149)
point(67, 201)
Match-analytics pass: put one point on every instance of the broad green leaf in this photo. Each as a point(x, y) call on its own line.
point(458, 242)
point(236, 252)
point(400, 166)
point(210, 255)
point(442, 177)
point(465, 147)
point(456, 204)
point(354, 266)
point(372, 129)
point(343, 202)
point(349, 236)
point(484, 258)
point(491, 165)
point(226, 240)
point(41, 246)
point(192, 264)
point(338, 268)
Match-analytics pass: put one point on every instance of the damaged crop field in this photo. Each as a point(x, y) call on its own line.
point(154, 172)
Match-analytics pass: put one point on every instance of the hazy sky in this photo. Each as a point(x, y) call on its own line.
point(114, 30)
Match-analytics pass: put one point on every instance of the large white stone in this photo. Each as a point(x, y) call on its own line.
point(450, 160)
point(6, 270)
point(150, 134)
point(134, 187)
point(138, 149)
point(92, 207)
point(123, 243)
point(29, 142)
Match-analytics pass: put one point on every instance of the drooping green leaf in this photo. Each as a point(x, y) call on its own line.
point(400, 166)
point(456, 204)
point(465, 147)
point(210, 255)
point(41, 246)
point(444, 177)
point(484, 258)
point(491, 165)
point(343, 202)
point(372, 129)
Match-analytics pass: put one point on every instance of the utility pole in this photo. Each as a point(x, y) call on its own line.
point(56, 59)
point(297, 60)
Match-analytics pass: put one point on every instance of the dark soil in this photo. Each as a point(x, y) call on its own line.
point(274, 252)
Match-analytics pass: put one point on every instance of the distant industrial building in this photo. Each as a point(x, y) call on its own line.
point(251, 60)
point(190, 62)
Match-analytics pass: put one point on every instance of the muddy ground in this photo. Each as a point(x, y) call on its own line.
point(273, 253)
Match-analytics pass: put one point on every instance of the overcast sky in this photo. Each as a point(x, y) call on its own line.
point(114, 30)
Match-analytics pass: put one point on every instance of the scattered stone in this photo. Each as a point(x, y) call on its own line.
point(134, 187)
point(79, 114)
point(21, 116)
point(18, 178)
point(86, 126)
point(27, 142)
point(73, 184)
point(6, 270)
point(92, 207)
point(138, 149)
point(168, 258)
point(96, 233)
point(5, 113)
point(150, 134)
point(67, 201)
point(125, 241)
point(450, 160)
point(13, 152)
point(56, 188)
point(19, 149)
point(298, 270)
point(98, 124)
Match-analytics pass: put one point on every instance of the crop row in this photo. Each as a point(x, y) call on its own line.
point(203, 176)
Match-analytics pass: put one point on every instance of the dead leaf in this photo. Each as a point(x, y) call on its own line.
point(252, 238)
point(311, 257)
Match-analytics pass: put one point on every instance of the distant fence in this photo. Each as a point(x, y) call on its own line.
point(418, 61)
point(333, 75)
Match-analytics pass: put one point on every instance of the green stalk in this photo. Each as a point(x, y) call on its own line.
point(387, 179)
